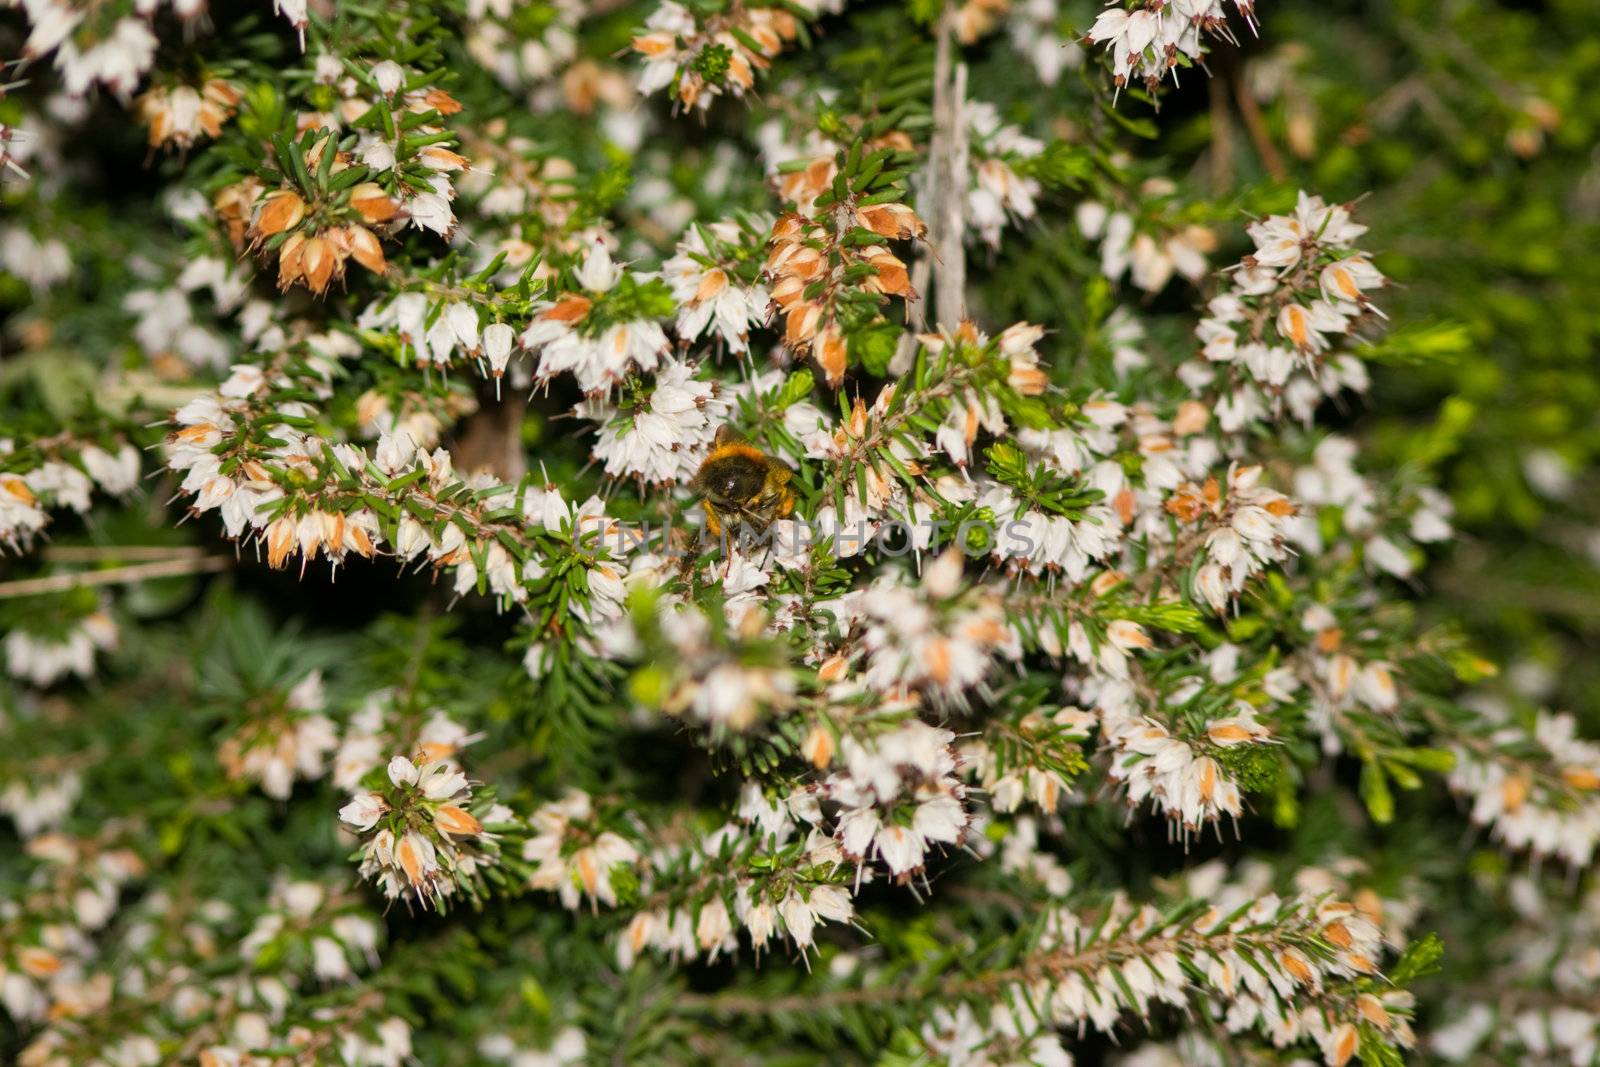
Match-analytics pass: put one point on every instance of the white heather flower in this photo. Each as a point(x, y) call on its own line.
point(402, 771)
point(116, 474)
point(438, 781)
point(498, 339)
point(1307, 327)
point(389, 77)
point(117, 61)
point(561, 336)
point(709, 301)
point(1385, 555)
point(798, 919)
point(587, 869)
point(665, 440)
point(714, 927)
point(364, 811)
point(597, 272)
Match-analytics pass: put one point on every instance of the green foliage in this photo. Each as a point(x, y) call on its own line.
point(183, 772)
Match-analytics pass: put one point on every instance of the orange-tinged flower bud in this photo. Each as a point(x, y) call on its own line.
point(1514, 793)
point(361, 243)
point(280, 542)
point(801, 326)
point(282, 211)
point(830, 352)
point(1106, 581)
point(410, 859)
point(454, 820)
point(1581, 778)
point(1227, 733)
point(222, 92)
point(712, 282)
point(787, 291)
point(1343, 1046)
point(291, 258)
point(857, 426)
point(1373, 1011)
point(1125, 504)
point(17, 488)
point(443, 159)
point(1295, 966)
point(654, 44)
point(374, 204)
point(892, 275)
point(333, 527)
point(38, 962)
point(434, 751)
point(891, 220)
point(818, 747)
point(1029, 381)
point(320, 262)
point(1191, 418)
point(788, 227)
point(568, 309)
point(442, 102)
point(588, 869)
point(936, 660)
point(361, 542)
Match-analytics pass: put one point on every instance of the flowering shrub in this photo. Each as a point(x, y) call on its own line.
point(654, 532)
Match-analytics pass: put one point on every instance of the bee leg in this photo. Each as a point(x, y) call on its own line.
point(713, 523)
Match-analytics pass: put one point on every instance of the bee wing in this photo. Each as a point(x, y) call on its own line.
point(727, 435)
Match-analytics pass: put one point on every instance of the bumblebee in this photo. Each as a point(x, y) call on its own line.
point(742, 486)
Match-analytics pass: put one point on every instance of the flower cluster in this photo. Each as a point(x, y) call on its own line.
point(999, 193)
point(48, 932)
point(305, 927)
point(899, 798)
point(179, 116)
point(288, 738)
point(757, 875)
point(601, 330)
point(1182, 781)
point(572, 854)
point(1271, 344)
point(715, 286)
point(815, 275)
point(1546, 800)
point(696, 61)
point(57, 474)
point(1248, 965)
point(1151, 38)
point(1149, 252)
point(43, 659)
point(423, 835)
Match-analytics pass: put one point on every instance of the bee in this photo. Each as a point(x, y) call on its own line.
point(742, 486)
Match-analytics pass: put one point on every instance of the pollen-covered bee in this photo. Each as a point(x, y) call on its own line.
point(742, 486)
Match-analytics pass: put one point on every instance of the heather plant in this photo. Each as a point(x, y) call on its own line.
point(640, 532)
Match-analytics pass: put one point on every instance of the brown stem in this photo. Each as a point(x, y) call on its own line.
point(99, 553)
point(1221, 153)
point(1257, 128)
point(948, 168)
point(136, 572)
point(1050, 966)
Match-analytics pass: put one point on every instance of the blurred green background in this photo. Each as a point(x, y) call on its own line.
point(1471, 129)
